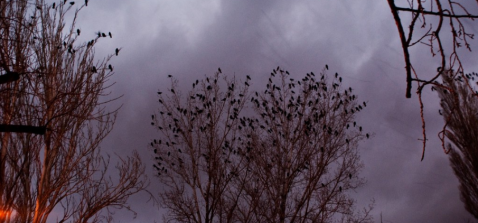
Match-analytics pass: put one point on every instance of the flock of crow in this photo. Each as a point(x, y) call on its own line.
point(69, 46)
point(287, 115)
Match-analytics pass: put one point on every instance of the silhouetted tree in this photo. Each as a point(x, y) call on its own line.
point(194, 153)
point(291, 158)
point(460, 112)
point(59, 86)
point(302, 148)
point(443, 21)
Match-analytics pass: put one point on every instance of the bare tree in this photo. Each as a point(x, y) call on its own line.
point(194, 155)
point(303, 151)
point(294, 161)
point(441, 20)
point(460, 112)
point(60, 86)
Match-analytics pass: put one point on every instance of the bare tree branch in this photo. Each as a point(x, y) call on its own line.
point(443, 10)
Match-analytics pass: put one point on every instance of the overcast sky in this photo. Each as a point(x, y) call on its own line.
point(356, 38)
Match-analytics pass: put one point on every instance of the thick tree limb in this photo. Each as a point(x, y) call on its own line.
point(9, 77)
point(403, 39)
point(434, 13)
point(40, 130)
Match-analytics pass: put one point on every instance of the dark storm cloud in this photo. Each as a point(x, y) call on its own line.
point(357, 39)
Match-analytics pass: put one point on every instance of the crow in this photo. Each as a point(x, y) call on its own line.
point(117, 51)
point(110, 67)
point(109, 33)
point(86, 2)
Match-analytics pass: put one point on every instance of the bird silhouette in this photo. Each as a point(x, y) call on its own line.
point(109, 33)
point(86, 2)
point(72, 3)
point(103, 34)
point(326, 66)
point(110, 67)
point(117, 51)
point(53, 6)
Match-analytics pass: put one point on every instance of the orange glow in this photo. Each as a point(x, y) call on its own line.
point(5, 214)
